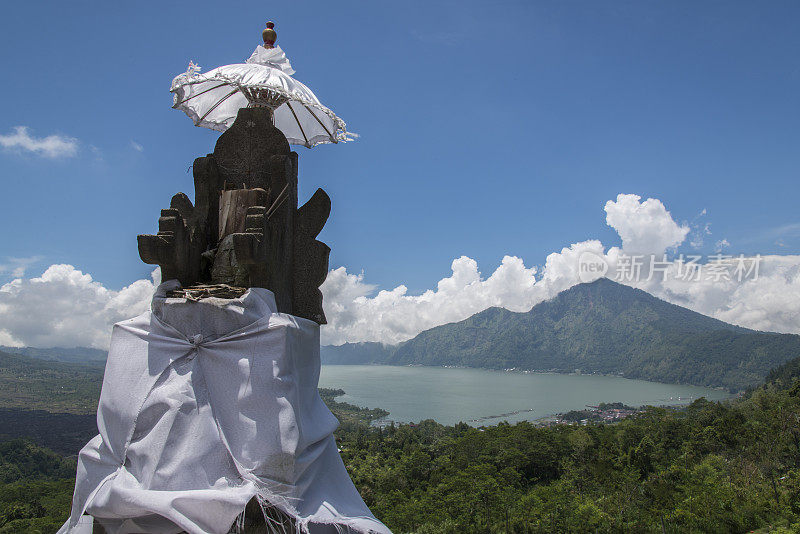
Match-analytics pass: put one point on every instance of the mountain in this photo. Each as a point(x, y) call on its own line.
point(60, 354)
point(599, 327)
point(356, 353)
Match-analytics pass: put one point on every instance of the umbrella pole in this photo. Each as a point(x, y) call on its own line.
point(268, 108)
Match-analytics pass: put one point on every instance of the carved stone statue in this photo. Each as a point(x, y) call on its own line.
point(245, 228)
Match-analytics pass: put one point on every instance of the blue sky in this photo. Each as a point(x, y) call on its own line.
point(487, 129)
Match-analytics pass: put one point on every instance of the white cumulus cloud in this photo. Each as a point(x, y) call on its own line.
point(645, 227)
point(65, 307)
point(52, 146)
point(394, 316)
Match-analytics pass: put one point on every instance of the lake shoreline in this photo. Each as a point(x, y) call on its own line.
point(449, 395)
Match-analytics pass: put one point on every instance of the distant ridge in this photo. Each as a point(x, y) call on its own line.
point(356, 353)
point(598, 327)
point(60, 354)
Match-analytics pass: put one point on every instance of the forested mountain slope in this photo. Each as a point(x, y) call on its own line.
point(599, 327)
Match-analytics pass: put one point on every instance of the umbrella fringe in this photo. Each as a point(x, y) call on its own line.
point(340, 134)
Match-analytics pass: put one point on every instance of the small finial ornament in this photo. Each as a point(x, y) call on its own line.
point(269, 35)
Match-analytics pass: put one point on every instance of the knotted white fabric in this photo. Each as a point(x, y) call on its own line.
point(206, 405)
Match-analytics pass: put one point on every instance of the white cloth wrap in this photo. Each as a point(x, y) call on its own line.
point(206, 405)
point(213, 99)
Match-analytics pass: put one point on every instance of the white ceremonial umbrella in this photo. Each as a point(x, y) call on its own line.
point(213, 99)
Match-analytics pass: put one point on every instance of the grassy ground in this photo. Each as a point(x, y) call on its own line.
point(31, 384)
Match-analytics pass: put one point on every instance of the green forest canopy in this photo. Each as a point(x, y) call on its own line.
point(712, 467)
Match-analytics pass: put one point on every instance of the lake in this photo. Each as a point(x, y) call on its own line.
point(485, 397)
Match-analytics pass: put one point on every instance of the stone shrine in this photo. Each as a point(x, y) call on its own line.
point(245, 228)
